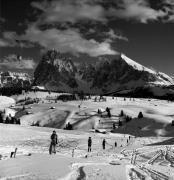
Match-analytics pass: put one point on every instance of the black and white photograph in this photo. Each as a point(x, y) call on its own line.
point(86, 89)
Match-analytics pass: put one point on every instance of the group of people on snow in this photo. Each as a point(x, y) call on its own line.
point(90, 144)
point(54, 142)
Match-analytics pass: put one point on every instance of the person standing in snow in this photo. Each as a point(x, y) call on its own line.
point(89, 144)
point(115, 144)
point(73, 152)
point(108, 112)
point(103, 144)
point(53, 143)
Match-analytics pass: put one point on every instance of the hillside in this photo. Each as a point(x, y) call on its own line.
point(148, 136)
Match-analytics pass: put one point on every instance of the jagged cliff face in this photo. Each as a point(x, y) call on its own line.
point(107, 74)
point(54, 70)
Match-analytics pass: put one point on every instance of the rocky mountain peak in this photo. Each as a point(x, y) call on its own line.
point(59, 61)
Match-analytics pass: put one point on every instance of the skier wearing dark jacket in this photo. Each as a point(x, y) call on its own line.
point(53, 143)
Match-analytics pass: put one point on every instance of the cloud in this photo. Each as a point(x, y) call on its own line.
point(4, 43)
point(11, 39)
point(75, 16)
point(8, 39)
point(138, 10)
point(73, 11)
point(112, 35)
point(171, 18)
point(69, 11)
point(169, 8)
point(13, 62)
point(69, 40)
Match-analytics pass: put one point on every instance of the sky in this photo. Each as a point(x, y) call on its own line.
point(141, 29)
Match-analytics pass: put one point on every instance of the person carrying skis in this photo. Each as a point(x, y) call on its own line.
point(53, 143)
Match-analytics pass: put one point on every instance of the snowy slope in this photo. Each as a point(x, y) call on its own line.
point(6, 101)
point(33, 161)
point(136, 65)
point(164, 79)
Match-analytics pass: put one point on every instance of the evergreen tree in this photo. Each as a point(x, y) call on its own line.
point(172, 123)
point(140, 115)
point(121, 113)
point(120, 123)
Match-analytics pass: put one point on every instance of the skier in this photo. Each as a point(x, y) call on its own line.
point(52, 148)
point(89, 144)
point(103, 144)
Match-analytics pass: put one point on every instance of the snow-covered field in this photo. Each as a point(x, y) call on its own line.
point(149, 154)
point(6, 102)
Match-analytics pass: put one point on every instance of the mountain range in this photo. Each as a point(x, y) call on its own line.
point(108, 74)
